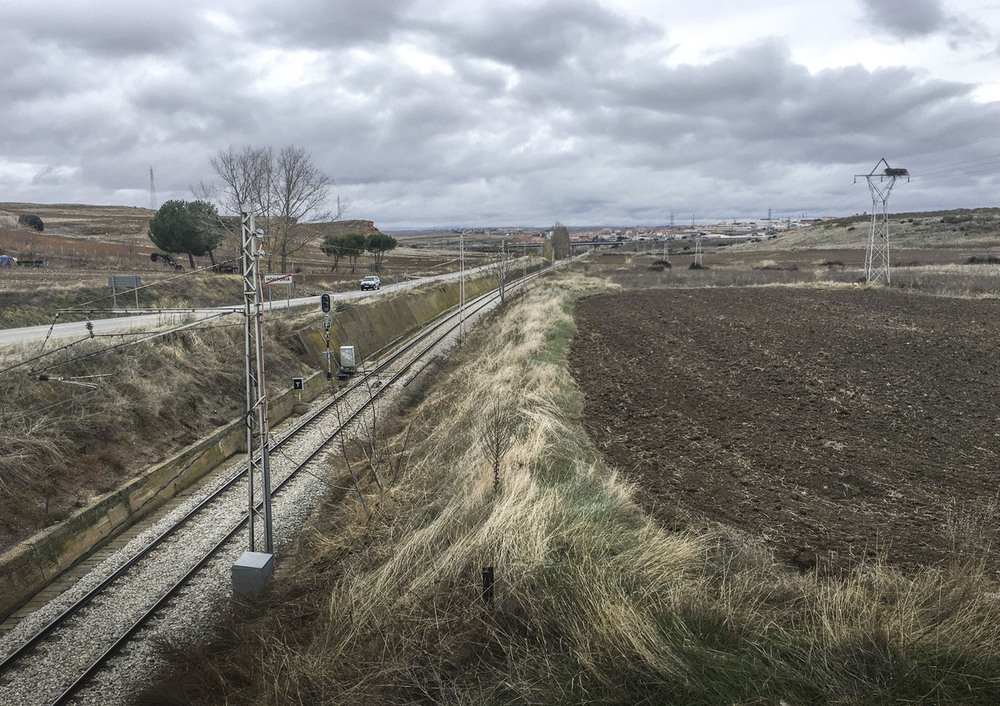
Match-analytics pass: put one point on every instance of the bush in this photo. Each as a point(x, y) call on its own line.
point(30, 220)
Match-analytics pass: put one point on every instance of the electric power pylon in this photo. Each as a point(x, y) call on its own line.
point(880, 184)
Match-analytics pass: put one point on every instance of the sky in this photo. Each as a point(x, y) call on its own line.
point(447, 113)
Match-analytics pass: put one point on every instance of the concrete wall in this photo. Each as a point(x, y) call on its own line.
point(370, 326)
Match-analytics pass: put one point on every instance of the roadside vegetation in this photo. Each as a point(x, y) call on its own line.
point(33, 298)
point(80, 419)
point(385, 602)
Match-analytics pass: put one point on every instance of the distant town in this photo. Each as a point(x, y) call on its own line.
point(737, 230)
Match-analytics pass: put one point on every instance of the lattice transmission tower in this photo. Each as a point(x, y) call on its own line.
point(258, 433)
point(152, 192)
point(880, 184)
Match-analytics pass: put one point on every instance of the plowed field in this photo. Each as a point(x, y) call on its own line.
point(834, 424)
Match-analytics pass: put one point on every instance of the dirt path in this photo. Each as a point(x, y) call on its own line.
point(833, 423)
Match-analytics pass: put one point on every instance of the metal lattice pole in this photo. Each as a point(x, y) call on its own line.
point(880, 185)
point(461, 292)
point(258, 435)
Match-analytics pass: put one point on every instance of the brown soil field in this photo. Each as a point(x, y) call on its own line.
point(79, 258)
point(835, 424)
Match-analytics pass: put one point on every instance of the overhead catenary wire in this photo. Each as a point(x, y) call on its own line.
point(133, 289)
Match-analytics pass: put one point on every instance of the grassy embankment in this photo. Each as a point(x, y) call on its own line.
point(593, 603)
point(78, 418)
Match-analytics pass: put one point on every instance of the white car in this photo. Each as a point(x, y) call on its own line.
point(371, 282)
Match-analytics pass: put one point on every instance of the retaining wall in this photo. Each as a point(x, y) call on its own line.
point(369, 325)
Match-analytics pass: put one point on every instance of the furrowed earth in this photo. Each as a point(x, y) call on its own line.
point(836, 424)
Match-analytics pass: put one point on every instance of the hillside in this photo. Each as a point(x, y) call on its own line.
point(126, 223)
point(115, 223)
point(960, 228)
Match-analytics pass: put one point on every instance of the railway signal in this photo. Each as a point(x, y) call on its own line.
point(324, 303)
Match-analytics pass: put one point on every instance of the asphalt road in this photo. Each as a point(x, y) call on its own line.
point(146, 321)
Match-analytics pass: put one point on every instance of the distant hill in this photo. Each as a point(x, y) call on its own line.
point(959, 228)
point(324, 229)
point(127, 223)
point(116, 223)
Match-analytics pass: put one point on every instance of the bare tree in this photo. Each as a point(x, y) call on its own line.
point(300, 192)
point(282, 189)
point(502, 272)
point(243, 182)
point(560, 242)
point(497, 436)
point(245, 178)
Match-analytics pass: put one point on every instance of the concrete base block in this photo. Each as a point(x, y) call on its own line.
point(251, 572)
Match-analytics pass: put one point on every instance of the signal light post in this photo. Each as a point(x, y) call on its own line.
point(324, 304)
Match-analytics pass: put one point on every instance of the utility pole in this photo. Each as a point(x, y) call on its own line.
point(461, 291)
point(880, 185)
point(254, 568)
point(152, 192)
point(258, 433)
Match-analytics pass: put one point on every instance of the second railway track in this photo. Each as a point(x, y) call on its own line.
point(82, 647)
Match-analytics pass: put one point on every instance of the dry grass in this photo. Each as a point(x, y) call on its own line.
point(593, 602)
point(969, 280)
point(115, 412)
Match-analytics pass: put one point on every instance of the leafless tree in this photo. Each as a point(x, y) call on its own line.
point(300, 193)
point(244, 179)
point(282, 189)
point(502, 272)
point(497, 435)
point(560, 241)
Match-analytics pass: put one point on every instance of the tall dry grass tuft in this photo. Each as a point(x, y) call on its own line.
point(593, 603)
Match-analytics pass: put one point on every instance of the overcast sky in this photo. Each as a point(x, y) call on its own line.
point(523, 112)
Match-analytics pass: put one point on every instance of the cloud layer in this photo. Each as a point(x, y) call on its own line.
point(457, 113)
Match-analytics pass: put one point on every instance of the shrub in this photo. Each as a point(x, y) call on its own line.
point(30, 220)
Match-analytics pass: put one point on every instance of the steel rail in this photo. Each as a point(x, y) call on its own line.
point(109, 653)
point(479, 303)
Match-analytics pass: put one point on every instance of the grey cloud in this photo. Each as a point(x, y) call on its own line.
point(114, 28)
point(528, 113)
point(329, 23)
point(906, 18)
point(542, 36)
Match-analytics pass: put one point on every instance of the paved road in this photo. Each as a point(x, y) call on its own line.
point(145, 322)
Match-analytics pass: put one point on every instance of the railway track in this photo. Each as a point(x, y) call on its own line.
point(65, 650)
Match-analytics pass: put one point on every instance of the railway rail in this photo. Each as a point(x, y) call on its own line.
point(55, 653)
